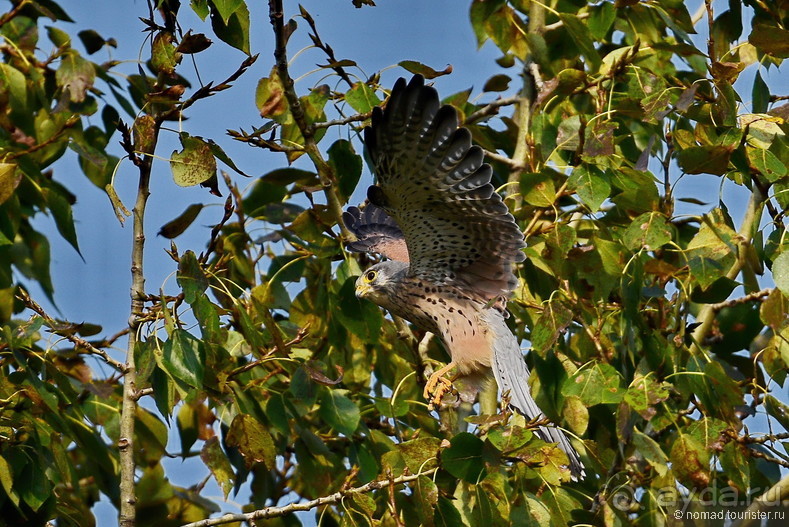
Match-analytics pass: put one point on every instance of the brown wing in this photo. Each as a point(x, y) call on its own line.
point(434, 184)
point(376, 232)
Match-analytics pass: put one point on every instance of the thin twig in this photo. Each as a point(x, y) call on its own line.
point(228, 211)
point(74, 339)
point(491, 109)
point(70, 122)
point(325, 172)
point(504, 159)
point(347, 120)
point(751, 297)
point(210, 89)
point(273, 512)
point(316, 39)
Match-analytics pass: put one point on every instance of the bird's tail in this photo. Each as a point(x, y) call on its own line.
point(512, 375)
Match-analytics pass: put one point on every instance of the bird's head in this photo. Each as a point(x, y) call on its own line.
point(379, 281)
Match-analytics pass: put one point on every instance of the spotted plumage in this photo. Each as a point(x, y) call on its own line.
point(451, 241)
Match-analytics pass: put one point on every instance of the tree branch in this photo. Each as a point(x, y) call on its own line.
point(491, 109)
point(130, 393)
point(772, 498)
point(347, 120)
point(325, 172)
point(273, 512)
point(74, 339)
point(755, 296)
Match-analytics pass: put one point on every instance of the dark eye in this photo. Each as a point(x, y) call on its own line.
point(370, 276)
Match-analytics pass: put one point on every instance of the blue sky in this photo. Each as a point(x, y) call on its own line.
point(436, 33)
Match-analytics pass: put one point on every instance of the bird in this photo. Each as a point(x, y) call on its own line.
point(451, 244)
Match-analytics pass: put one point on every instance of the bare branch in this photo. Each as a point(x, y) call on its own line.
point(273, 512)
point(503, 159)
point(756, 295)
point(74, 339)
point(128, 498)
point(337, 122)
point(491, 109)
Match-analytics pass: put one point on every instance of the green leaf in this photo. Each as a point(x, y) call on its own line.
point(644, 393)
point(446, 514)
point(7, 480)
point(427, 72)
point(769, 38)
point(150, 436)
point(689, 460)
point(347, 166)
point(64, 219)
point(601, 18)
point(13, 81)
point(176, 227)
point(576, 414)
point(253, 441)
point(9, 180)
point(781, 272)
point(553, 320)
point(420, 454)
point(163, 55)
point(75, 76)
point(194, 164)
point(184, 358)
point(760, 94)
point(217, 462)
point(223, 157)
point(58, 37)
point(360, 317)
point(595, 383)
point(766, 163)
point(710, 159)
point(538, 189)
point(649, 231)
point(339, 412)
point(191, 277)
point(579, 32)
point(509, 439)
point(591, 184)
point(93, 42)
point(463, 459)
point(226, 8)
point(188, 423)
point(362, 98)
point(651, 451)
point(200, 7)
point(426, 498)
point(235, 30)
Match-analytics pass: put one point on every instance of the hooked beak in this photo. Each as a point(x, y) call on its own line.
point(363, 289)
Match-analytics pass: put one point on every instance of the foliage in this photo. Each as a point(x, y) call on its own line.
point(651, 336)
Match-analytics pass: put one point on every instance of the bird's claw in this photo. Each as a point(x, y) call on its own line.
point(437, 386)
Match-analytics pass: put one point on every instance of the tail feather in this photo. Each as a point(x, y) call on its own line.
point(512, 376)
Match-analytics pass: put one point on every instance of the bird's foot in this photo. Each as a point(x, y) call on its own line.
point(437, 386)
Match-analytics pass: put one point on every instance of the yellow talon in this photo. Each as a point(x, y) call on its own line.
point(437, 386)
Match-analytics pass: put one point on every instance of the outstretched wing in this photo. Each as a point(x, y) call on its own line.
point(376, 232)
point(434, 184)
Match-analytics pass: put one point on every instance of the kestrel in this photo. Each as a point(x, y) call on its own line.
point(451, 244)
